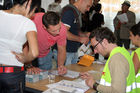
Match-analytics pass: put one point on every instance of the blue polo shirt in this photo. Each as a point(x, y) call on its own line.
point(70, 17)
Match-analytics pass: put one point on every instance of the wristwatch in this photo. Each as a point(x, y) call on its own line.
point(95, 85)
point(28, 65)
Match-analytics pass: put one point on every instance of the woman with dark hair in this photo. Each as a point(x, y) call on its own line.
point(135, 39)
point(16, 31)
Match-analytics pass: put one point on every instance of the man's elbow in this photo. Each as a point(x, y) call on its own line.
point(35, 54)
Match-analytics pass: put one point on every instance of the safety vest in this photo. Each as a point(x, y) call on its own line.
point(137, 51)
point(106, 77)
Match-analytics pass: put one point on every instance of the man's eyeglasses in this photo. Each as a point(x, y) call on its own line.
point(97, 44)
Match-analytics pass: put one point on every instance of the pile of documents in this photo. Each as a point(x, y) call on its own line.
point(34, 78)
point(70, 73)
point(65, 86)
point(43, 75)
point(100, 62)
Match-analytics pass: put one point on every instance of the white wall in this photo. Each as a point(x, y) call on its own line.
point(45, 3)
point(64, 2)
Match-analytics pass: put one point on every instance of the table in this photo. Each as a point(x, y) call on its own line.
point(40, 85)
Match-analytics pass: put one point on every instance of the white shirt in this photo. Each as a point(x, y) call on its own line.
point(13, 30)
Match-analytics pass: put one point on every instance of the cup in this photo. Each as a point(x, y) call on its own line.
point(51, 76)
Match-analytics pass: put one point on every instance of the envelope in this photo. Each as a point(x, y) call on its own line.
point(86, 60)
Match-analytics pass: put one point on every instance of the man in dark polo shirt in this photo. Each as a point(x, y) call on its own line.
point(71, 17)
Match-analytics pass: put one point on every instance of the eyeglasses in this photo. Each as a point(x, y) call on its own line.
point(97, 44)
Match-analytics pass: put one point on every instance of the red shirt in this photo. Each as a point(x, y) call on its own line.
point(46, 40)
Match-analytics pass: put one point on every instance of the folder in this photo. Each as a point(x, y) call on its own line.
point(86, 60)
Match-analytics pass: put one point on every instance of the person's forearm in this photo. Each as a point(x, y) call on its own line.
point(30, 57)
point(31, 50)
point(61, 57)
point(72, 37)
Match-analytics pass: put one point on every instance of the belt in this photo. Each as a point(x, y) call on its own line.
point(10, 69)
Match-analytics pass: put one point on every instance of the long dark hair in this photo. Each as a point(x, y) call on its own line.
point(10, 3)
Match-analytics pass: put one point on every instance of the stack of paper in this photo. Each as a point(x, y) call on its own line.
point(43, 75)
point(70, 73)
point(36, 77)
point(66, 86)
point(99, 62)
point(32, 78)
point(60, 89)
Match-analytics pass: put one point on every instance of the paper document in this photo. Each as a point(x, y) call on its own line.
point(99, 62)
point(70, 73)
point(66, 86)
point(123, 18)
point(84, 50)
point(60, 89)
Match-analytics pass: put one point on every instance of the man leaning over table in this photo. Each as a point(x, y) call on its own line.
point(118, 75)
point(50, 30)
point(71, 17)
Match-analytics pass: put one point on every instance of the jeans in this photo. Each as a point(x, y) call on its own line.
point(55, 56)
point(71, 58)
point(12, 82)
point(45, 62)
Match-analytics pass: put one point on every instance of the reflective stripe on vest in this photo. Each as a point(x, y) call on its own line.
point(103, 82)
point(138, 85)
point(137, 75)
point(129, 88)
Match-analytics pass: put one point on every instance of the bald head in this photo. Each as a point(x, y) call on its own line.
point(83, 5)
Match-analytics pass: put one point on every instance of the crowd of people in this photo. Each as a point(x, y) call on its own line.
point(30, 35)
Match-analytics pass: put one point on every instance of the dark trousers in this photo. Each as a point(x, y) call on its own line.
point(126, 43)
point(12, 82)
